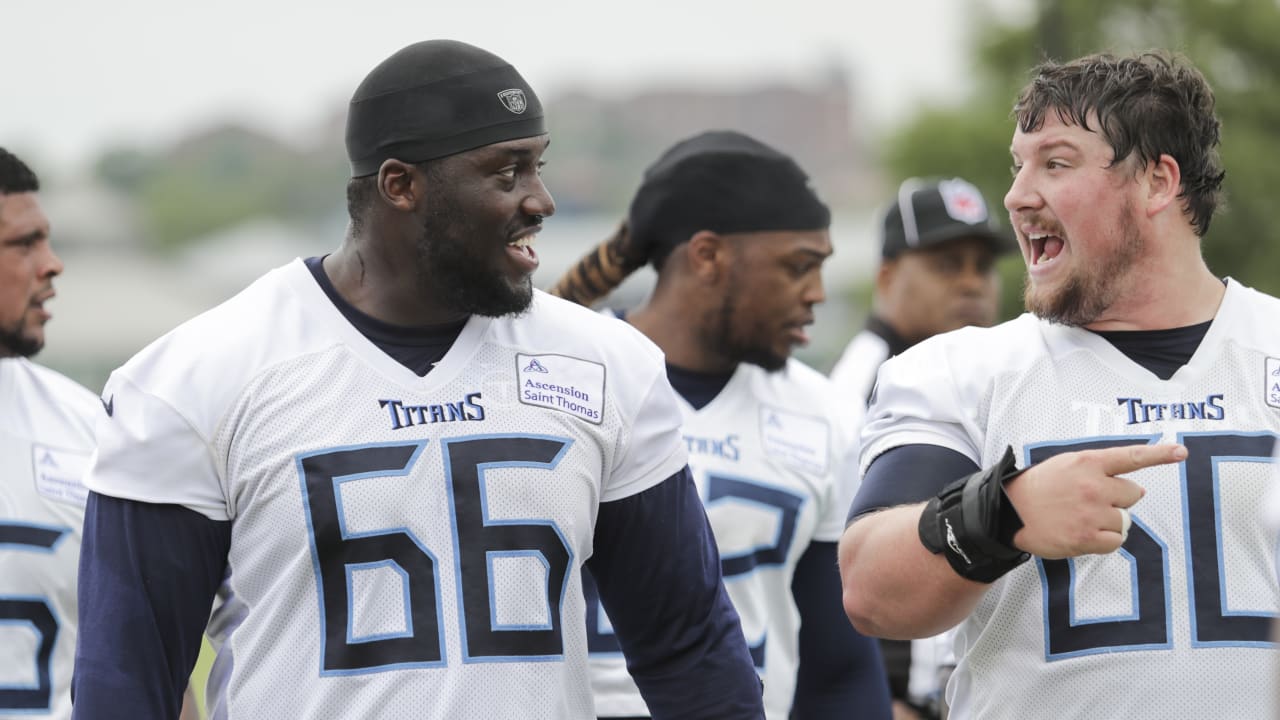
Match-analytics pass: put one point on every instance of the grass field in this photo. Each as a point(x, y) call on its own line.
point(200, 675)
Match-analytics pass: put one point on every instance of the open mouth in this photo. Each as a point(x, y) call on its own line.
point(522, 249)
point(524, 244)
point(1045, 248)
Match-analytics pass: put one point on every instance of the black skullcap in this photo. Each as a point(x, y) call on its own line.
point(725, 182)
point(436, 98)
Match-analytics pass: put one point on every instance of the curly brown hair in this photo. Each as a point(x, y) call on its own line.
point(1151, 104)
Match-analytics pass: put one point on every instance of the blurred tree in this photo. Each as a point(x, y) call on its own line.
point(1231, 41)
point(216, 179)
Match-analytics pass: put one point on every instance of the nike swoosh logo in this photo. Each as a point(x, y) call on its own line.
point(109, 405)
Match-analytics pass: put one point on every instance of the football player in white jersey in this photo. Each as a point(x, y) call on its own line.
point(1124, 570)
point(738, 238)
point(391, 464)
point(46, 438)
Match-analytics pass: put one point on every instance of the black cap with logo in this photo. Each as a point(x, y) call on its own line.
point(436, 98)
point(929, 212)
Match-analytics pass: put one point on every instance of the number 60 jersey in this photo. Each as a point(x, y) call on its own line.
point(401, 546)
point(1175, 623)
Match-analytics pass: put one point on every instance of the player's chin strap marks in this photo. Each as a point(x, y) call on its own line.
point(973, 523)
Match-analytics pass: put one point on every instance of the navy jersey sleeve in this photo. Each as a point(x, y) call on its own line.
point(841, 674)
point(908, 474)
point(148, 574)
point(657, 570)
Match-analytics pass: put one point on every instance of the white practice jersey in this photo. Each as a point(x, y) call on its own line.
point(767, 455)
point(1271, 513)
point(402, 546)
point(46, 439)
point(1175, 624)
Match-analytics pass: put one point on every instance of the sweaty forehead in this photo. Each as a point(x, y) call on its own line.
point(1068, 141)
point(1054, 133)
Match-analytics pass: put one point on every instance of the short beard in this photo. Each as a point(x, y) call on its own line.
point(14, 343)
point(1086, 295)
point(459, 278)
point(728, 345)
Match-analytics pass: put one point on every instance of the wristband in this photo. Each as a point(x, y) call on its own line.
point(972, 523)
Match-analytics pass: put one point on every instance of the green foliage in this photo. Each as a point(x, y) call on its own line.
point(1231, 41)
point(218, 179)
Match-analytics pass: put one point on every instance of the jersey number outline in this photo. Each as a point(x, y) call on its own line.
point(787, 505)
point(1149, 625)
point(35, 612)
point(477, 542)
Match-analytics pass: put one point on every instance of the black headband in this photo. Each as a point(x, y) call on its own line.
point(725, 182)
point(437, 98)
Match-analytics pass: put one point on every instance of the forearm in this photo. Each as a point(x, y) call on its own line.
point(893, 587)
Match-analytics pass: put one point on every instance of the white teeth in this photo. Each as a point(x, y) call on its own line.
point(522, 242)
point(1044, 260)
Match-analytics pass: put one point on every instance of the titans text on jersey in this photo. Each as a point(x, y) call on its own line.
point(417, 551)
point(406, 414)
point(1188, 599)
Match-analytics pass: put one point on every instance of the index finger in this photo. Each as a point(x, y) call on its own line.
point(1126, 459)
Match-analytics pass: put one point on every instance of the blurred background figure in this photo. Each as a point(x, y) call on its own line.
point(938, 248)
point(738, 239)
point(939, 245)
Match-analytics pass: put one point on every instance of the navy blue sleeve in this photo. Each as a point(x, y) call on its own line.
point(841, 674)
point(657, 569)
point(908, 474)
point(148, 574)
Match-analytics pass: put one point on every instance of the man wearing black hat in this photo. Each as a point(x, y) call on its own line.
point(938, 248)
point(391, 464)
point(937, 273)
point(738, 238)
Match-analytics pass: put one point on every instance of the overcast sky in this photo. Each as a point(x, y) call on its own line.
point(80, 73)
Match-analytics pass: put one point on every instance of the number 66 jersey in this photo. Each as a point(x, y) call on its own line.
point(1174, 624)
point(401, 546)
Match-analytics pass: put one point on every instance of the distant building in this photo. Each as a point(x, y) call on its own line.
point(602, 144)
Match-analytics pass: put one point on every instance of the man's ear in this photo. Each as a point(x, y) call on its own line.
point(707, 253)
point(1163, 184)
point(400, 185)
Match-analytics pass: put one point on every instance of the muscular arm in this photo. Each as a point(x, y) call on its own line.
point(1068, 504)
point(841, 673)
point(658, 572)
point(148, 574)
point(893, 586)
